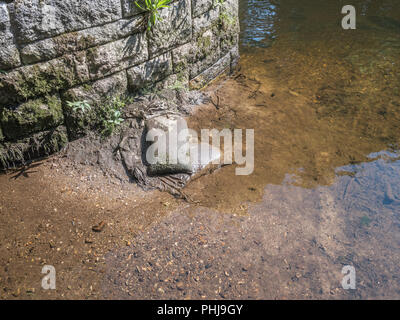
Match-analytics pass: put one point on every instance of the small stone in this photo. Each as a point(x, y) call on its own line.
point(99, 227)
point(179, 285)
point(17, 292)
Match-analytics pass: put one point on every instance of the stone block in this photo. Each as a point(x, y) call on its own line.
point(206, 20)
point(116, 56)
point(41, 79)
point(31, 117)
point(149, 72)
point(221, 66)
point(201, 6)
point(9, 55)
point(174, 30)
point(197, 55)
point(38, 19)
point(129, 8)
point(80, 40)
point(95, 94)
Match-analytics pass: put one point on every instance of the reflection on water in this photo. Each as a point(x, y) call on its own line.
point(319, 97)
point(260, 15)
point(351, 78)
point(325, 106)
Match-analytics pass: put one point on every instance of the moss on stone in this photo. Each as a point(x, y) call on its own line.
point(66, 42)
point(227, 21)
point(79, 123)
point(181, 66)
point(33, 86)
point(32, 116)
point(204, 42)
point(43, 79)
point(87, 87)
point(182, 76)
point(86, 42)
point(73, 41)
point(14, 154)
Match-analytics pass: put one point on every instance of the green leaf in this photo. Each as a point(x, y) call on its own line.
point(139, 6)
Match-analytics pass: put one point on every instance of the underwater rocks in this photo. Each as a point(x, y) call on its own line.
point(386, 23)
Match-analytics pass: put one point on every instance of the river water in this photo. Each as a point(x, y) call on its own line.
point(325, 106)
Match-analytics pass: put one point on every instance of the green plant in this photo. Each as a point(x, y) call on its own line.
point(79, 106)
point(110, 115)
point(178, 85)
point(227, 18)
point(152, 7)
point(218, 3)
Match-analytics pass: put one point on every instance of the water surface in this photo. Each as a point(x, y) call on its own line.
point(325, 106)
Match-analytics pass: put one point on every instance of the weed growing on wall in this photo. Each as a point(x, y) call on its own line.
point(110, 115)
point(105, 117)
point(152, 8)
point(178, 85)
point(79, 106)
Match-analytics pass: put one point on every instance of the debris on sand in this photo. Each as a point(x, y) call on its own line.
point(99, 227)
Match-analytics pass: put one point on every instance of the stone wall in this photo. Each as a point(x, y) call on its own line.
point(54, 51)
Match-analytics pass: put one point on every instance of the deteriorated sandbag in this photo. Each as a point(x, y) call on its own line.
point(133, 147)
point(165, 176)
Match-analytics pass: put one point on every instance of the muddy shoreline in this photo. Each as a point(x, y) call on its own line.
point(257, 237)
point(324, 104)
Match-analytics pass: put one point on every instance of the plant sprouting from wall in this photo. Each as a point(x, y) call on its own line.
point(151, 7)
point(112, 123)
point(111, 116)
point(79, 106)
point(218, 3)
point(178, 85)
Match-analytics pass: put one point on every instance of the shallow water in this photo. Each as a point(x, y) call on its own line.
point(325, 106)
point(347, 82)
point(319, 97)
